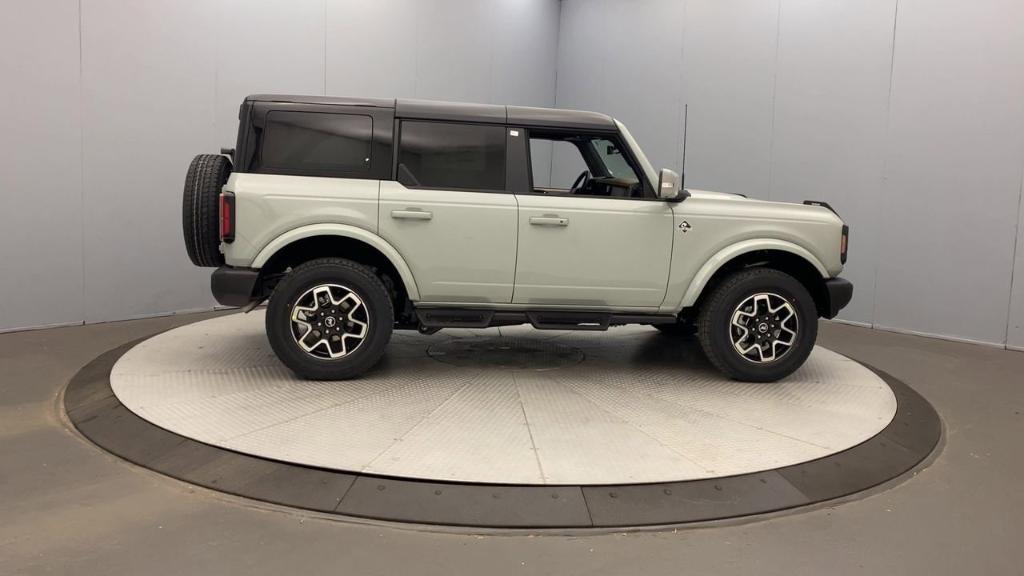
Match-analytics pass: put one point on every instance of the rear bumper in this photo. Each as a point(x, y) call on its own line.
point(840, 292)
point(233, 286)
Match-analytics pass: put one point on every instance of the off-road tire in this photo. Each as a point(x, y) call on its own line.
point(357, 278)
point(200, 208)
point(714, 328)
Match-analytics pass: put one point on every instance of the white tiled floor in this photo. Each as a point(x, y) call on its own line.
point(623, 406)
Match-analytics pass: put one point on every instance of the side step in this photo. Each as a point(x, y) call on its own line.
point(454, 318)
point(539, 319)
point(569, 320)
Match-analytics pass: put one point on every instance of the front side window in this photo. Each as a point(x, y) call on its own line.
point(316, 143)
point(583, 165)
point(451, 156)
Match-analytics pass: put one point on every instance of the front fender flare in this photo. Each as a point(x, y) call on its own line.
point(723, 256)
point(346, 231)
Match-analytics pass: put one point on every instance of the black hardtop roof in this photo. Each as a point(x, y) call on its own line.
point(460, 111)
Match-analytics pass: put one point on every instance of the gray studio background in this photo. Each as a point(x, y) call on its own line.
point(906, 115)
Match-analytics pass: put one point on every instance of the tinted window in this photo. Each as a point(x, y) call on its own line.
point(441, 155)
point(317, 142)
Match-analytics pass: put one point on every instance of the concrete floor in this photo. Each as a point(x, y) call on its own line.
point(68, 507)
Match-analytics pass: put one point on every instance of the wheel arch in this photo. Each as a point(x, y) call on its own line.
point(781, 255)
point(338, 240)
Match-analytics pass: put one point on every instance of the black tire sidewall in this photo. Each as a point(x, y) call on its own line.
point(717, 335)
point(356, 278)
point(200, 215)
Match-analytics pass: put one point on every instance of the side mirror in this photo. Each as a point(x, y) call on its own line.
point(668, 185)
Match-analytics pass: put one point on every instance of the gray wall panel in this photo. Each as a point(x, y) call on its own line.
point(502, 52)
point(453, 50)
point(792, 101)
point(642, 80)
point(729, 71)
point(162, 81)
point(831, 105)
point(148, 72)
point(581, 67)
point(956, 139)
point(788, 100)
point(40, 166)
point(359, 61)
point(277, 49)
point(524, 52)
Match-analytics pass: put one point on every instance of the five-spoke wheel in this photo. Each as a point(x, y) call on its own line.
point(330, 319)
point(758, 325)
point(764, 327)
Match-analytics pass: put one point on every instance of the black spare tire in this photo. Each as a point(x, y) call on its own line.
point(200, 208)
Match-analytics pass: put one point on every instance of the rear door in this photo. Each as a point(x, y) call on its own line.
point(448, 211)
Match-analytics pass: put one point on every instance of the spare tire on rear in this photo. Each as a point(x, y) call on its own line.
point(200, 215)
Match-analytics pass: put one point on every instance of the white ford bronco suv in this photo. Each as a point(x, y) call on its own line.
point(356, 217)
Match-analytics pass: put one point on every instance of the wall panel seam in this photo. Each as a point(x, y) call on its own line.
point(81, 166)
point(1013, 255)
point(879, 211)
point(775, 86)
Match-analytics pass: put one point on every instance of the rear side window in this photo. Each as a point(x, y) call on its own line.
point(451, 156)
point(316, 143)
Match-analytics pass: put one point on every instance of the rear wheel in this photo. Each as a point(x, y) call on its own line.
point(330, 319)
point(759, 325)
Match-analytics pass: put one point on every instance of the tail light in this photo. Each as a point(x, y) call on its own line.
point(227, 217)
point(844, 244)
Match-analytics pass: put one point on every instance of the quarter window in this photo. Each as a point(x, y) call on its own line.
point(451, 156)
point(316, 143)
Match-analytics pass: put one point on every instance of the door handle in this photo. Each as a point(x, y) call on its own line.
point(412, 214)
point(549, 221)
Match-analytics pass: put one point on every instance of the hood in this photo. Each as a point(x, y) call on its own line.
point(708, 194)
point(740, 204)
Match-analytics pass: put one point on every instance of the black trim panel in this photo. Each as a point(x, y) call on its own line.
point(840, 292)
point(233, 286)
point(556, 118)
point(908, 440)
point(450, 111)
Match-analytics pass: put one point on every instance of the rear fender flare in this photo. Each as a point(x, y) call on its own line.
point(346, 231)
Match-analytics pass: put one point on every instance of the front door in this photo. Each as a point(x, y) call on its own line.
point(449, 215)
point(591, 232)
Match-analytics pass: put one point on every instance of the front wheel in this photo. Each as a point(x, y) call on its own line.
point(759, 325)
point(330, 319)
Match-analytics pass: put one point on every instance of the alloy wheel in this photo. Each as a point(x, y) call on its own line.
point(329, 321)
point(764, 327)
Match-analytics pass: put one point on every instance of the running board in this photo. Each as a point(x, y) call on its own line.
point(539, 319)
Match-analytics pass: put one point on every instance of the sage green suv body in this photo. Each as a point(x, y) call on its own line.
point(456, 214)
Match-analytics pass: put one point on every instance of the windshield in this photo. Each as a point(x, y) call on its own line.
point(615, 164)
point(645, 164)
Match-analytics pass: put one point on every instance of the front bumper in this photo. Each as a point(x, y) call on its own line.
point(233, 286)
point(840, 292)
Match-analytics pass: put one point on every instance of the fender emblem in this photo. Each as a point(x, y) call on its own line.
point(685, 226)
